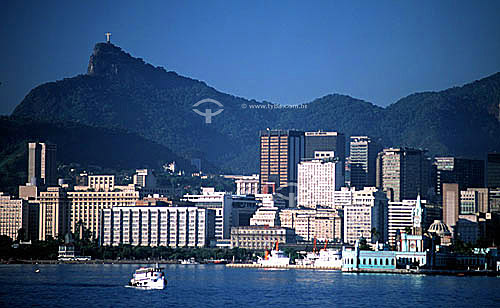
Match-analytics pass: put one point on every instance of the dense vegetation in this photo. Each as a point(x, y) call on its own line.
point(123, 92)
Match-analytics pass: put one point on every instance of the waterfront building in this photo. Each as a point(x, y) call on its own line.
point(441, 231)
point(230, 210)
point(318, 179)
point(320, 223)
point(54, 213)
point(411, 251)
point(325, 141)
point(404, 173)
point(363, 161)
point(266, 216)
point(158, 226)
point(366, 216)
point(467, 173)
point(280, 153)
point(15, 215)
point(86, 206)
point(493, 175)
point(355, 259)
point(261, 237)
point(247, 185)
point(144, 178)
point(42, 165)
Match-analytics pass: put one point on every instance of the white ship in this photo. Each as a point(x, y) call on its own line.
point(148, 278)
point(277, 258)
point(191, 261)
point(329, 258)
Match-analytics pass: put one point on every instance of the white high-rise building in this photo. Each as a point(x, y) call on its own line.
point(366, 216)
point(317, 181)
point(405, 214)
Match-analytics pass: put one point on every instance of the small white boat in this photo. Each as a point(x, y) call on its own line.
point(148, 278)
point(189, 261)
point(37, 270)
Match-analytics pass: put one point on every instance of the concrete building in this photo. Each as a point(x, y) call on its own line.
point(404, 173)
point(54, 213)
point(325, 141)
point(247, 185)
point(493, 169)
point(270, 200)
point(467, 173)
point(280, 153)
point(451, 204)
point(404, 215)
point(363, 161)
point(366, 216)
point(317, 181)
point(144, 178)
point(14, 215)
point(494, 200)
point(320, 223)
point(266, 216)
point(158, 226)
point(42, 166)
point(101, 182)
point(230, 210)
point(86, 206)
point(260, 237)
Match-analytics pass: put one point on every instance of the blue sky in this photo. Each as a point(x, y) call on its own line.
point(286, 52)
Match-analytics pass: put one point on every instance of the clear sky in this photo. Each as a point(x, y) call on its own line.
point(286, 52)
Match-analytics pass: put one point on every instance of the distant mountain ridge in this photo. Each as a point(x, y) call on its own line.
point(120, 91)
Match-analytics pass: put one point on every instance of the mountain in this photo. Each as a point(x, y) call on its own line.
point(76, 143)
point(122, 92)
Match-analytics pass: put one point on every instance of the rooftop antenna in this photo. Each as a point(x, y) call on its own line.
point(108, 37)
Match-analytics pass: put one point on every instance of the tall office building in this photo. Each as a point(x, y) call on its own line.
point(451, 204)
point(363, 158)
point(42, 163)
point(404, 173)
point(493, 167)
point(54, 213)
point(325, 141)
point(467, 173)
point(14, 215)
point(317, 181)
point(280, 153)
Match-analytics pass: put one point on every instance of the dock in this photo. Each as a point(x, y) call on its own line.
point(290, 266)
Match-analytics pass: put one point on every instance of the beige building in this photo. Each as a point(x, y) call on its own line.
point(247, 185)
point(323, 224)
point(42, 166)
point(14, 215)
point(54, 213)
point(101, 182)
point(260, 237)
point(266, 216)
point(87, 206)
point(158, 226)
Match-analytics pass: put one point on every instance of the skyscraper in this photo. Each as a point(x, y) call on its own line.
point(404, 172)
point(280, 153)
point(493, 170)
point(451, 204)
point(363, 154)
point(42, 163)
point(467, 173)
point(325, 141)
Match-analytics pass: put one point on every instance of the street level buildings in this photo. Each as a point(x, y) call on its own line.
point(261, 237)
point(15, 215)
point(405, 215)
point(158, 226)
point(320, 223)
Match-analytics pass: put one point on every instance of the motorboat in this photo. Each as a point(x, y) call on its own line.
point(149, 278)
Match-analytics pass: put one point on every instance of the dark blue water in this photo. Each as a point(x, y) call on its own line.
point(217, 286)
